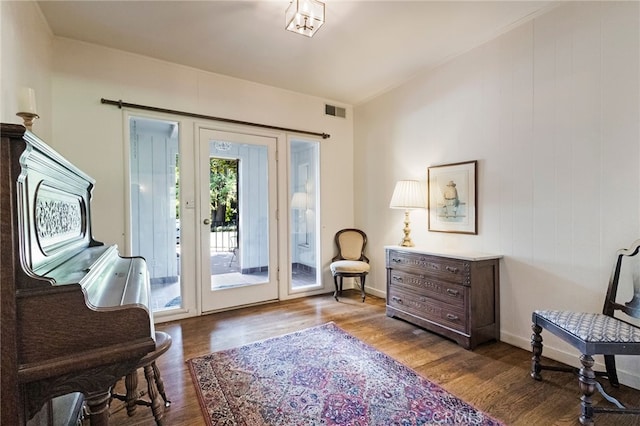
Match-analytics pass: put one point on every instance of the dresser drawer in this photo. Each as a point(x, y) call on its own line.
point(430, 309)
point(453, 294)
point(451, 270)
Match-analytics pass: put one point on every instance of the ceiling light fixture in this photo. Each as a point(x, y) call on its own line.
point(304, 16)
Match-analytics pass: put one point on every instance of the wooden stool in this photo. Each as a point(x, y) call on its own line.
point(155, 385)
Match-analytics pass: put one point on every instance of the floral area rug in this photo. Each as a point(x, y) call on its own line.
point(320, 376)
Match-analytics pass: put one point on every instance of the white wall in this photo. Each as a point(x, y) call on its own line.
point(551, 112)
point(26, 54)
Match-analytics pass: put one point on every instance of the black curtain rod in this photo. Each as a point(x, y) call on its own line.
point(121, 104)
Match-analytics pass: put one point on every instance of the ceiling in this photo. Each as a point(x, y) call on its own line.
point(364, 49)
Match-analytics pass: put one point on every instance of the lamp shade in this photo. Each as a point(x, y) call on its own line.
point(408, 194)
point(27, 100)
point(304, 16)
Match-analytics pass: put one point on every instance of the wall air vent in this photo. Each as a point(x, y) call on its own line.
point(335, 111)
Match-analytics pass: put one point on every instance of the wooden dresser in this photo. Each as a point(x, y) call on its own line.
point(456, 295)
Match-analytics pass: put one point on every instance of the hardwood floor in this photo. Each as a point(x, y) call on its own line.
point(494, 377)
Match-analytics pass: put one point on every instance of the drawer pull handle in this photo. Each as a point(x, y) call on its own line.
point(396, 260)
point(451, 269)
point(453, 292)
point(398, 279)
point(397, 300)
point(452, 317)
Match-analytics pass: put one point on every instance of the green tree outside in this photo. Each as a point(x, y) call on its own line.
point(223, 189)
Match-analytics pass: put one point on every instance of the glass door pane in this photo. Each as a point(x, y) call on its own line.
point(224, 206)
point(304, 196)
point(155, 220)
point(238, 225)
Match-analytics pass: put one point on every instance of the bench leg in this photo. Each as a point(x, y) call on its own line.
point(536, 349)
point(587, 381)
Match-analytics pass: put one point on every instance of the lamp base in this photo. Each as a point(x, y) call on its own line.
point(406, 241)
point(28, 118)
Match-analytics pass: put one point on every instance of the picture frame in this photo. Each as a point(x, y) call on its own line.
point(452, 197)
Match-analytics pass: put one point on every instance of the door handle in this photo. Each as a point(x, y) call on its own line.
point(207, 221)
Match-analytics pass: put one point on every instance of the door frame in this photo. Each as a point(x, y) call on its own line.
point(189, 211)
point(279, 275)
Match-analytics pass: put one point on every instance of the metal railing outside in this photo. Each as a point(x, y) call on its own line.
point(224, 236)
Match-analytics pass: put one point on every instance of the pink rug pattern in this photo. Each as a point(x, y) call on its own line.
point(321, 376)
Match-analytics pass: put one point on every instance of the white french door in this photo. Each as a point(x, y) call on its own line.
point(238, 223)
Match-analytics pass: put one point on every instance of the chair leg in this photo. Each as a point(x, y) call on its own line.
point(587, 382)
point(335, 281)
point(233, 257)
point(536, 349)
point(612, 374)
point(362, 278)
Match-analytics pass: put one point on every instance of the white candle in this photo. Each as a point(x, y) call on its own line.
point(27, 100)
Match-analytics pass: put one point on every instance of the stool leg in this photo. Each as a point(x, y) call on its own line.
point(160, 384)
point(98, 408)
point(131, 383)
point(156, 406)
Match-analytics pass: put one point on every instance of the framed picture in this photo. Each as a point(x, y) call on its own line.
point(453, 198)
